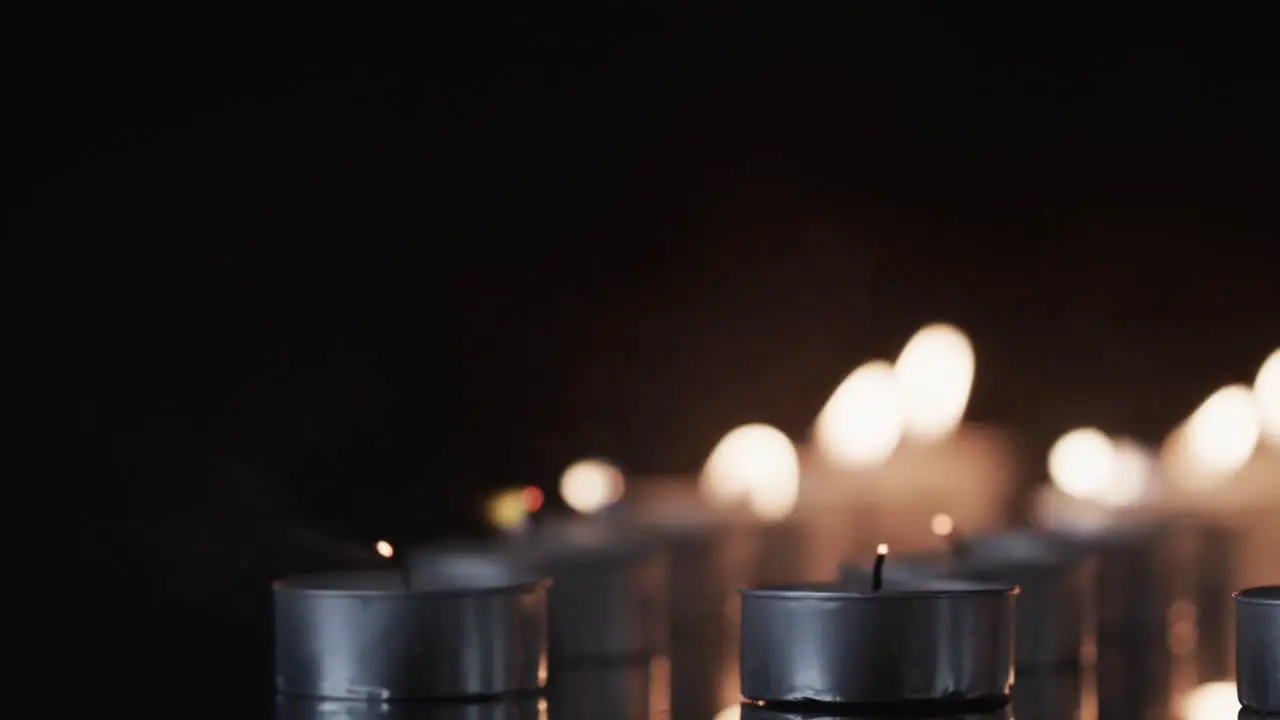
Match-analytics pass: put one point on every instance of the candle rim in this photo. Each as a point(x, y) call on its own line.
point(311, 584)
point(1260, 595)
point(835, 591)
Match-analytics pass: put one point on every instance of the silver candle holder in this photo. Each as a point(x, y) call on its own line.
point(453, 625)
point(1053, 574)
point(925, 642)
point(1258, 648)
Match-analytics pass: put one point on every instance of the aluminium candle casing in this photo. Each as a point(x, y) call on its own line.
point(936, 640)
point(465, 625)
point(1258, 648)
point(1053, 573)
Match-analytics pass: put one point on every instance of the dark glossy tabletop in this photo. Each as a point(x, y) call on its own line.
point(1130, 680)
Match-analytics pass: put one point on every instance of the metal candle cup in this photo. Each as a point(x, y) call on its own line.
point(1258, 648)
point(466, 625)
point(1052, 573)
point(943, 641)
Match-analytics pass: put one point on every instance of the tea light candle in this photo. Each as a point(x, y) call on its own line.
point(1053, 574)
point(1258, 648)
point(455, 624)
point(927, 642)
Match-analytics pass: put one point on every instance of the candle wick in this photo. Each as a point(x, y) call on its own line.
point(877, 572)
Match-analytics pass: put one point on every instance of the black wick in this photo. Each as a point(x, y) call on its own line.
point(877, 572)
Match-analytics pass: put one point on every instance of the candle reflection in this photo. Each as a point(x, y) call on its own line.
point(733, 712)
point(1210, 701)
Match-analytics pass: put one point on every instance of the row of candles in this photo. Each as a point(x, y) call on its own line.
point(891, 462)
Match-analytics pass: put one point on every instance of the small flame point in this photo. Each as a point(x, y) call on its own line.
point(877, 572)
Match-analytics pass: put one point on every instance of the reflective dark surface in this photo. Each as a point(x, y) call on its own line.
point(1132, 679)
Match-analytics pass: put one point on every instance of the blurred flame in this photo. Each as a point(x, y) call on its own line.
point(1267, 389)
point(733, 712)
point(942, 525)
point(1210, 701)
point(755, 463)
point(1221, 434)
point(533, 498)
point(861, 424)
point(508, 510)
point(882, 549)
point(1129, 480)
point(1081, 462)
point(934, 374)
point(589, 486)
point(384, 548)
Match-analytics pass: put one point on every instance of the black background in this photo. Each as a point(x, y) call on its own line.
point(304, 278)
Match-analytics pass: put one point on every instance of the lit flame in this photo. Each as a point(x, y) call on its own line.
point(1267, 389)
point(756, 464)
point(942, 525)
point(861, 424)
point(1222, 433)
point(1081, 462)
point(589, 486)
point(384, 548)
point(1129, 479)
point(533, 498)
point(1210, 701)
point(934, 375)
point(508, 510)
